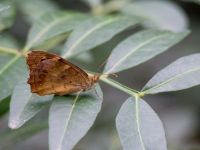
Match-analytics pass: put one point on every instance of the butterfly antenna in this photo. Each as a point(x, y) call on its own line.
point(102, 64)
point(114, 75)
point(110, 74)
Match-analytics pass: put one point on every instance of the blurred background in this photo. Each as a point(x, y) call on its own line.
point(179, 111)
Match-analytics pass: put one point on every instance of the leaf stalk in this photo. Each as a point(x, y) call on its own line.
point(9, 50)
point(119, 86)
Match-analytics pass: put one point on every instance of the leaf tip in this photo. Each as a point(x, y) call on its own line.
point(14, 124)
point(59, 148)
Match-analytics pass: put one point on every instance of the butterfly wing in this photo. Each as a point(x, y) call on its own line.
point(51, 74)
point(35, 57)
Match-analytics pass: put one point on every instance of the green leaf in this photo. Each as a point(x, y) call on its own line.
point(181, 74)
point(11, 73)
point(24, 105)
point(50, 25)
point(8, 41)
point(32, 10)
point(158, 14)
point(4, 106)
point(4, 59)
point(8, 45)
point(94, 32)
point(7, 15)
point(71, 117)
point(54, 43)
point(141, 47)
point(10, 138)
point(139, 127)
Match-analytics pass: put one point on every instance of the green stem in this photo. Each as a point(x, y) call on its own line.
point(9, 50)
point(119, 86)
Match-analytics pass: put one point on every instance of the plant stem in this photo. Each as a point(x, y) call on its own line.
point(119, 86)
point(9, 50)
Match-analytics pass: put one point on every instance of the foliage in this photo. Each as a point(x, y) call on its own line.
point(71, 116)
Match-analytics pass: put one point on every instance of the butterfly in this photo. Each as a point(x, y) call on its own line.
point(51, 74)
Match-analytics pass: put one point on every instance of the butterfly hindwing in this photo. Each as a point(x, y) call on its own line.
point(51, 74)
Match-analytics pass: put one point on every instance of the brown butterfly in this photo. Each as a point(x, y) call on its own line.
point(51, 74)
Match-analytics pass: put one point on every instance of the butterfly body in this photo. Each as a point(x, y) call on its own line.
point(51, 74)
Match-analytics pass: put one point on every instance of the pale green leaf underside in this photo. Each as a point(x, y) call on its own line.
point(141, 47)
point(50, 25)
point(8, 41)
point(9, 77)
point(11, 73)
point(71, 117)
point(24, 105)
point(7, 13)
point(181, 74)
point(139, 127)
point(158, 14)
point(4, 59)
point(32, 10)
point(94, 32)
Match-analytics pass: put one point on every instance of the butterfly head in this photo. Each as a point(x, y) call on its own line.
point(94, 78)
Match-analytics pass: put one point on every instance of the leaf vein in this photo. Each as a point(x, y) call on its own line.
point(13, 60)
point(68, 120)
point(138, 122)
point(87, 34)
point(46, 29)
point(134, 50)
point(171, 79)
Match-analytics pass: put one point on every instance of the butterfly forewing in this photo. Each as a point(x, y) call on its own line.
point(51, 74)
